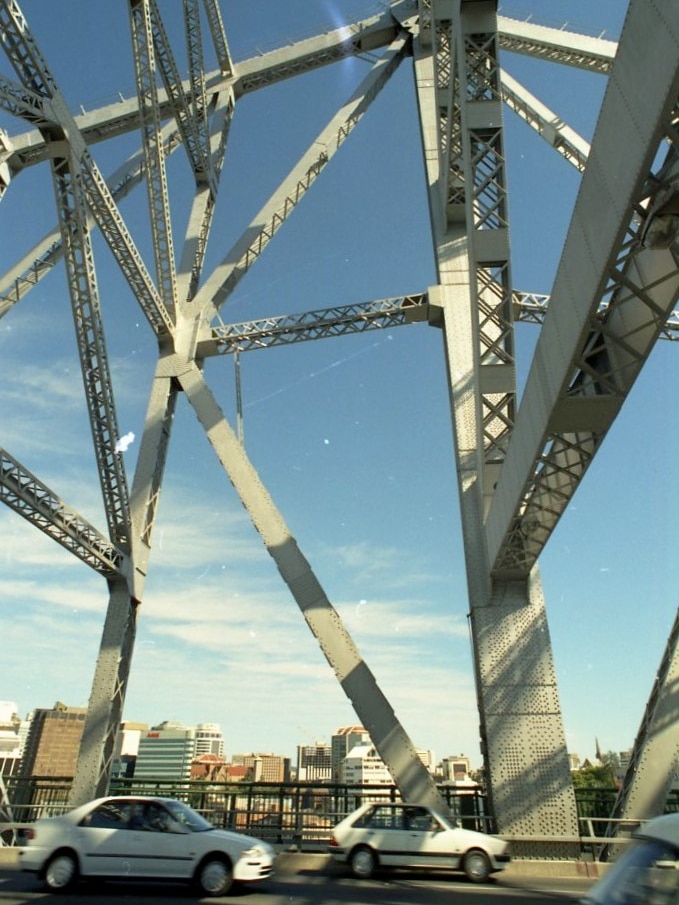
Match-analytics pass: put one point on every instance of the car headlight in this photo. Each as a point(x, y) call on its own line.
point(260, 850)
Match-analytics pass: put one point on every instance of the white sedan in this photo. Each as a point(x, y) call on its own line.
point(137, 837)
point(412, 835)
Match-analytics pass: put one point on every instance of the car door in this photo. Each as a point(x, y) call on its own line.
point(105, 840)
point(380, 827)
point(162, 848)
point(424, 840)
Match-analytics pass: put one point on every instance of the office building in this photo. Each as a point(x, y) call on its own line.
point(363, 766)
point(314, 763)
point(209, 740)
point(166, 751)
point(341, 743)
point(53, 741)
point(427, 758)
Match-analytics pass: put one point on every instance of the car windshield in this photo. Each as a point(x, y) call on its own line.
point(189, 818)
point(647, 874)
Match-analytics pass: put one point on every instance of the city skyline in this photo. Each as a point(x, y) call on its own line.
point(351, 435)
point(236, 751)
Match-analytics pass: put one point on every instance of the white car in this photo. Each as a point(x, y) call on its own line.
point(647, 871)
point(142, 838)
point(413, 835)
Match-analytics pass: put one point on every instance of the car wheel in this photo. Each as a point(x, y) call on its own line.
point(61, 871)
point(363, 862)
point(214, 876)
point(476, 865)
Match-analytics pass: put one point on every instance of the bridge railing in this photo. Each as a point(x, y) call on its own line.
point(300, 814)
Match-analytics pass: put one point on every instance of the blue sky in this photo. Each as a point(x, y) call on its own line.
point(351, 436)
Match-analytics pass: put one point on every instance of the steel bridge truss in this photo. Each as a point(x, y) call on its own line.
point(518, 466)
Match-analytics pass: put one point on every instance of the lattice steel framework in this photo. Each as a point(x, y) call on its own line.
point(613, 297)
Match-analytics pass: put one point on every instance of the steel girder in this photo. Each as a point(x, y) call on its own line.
point(32, 499)
point(356, 679)
point(545, 122)
point(358, 682)
point(585, 365)
point(527, 307)
point(226, 275)
point(178, 370)
point(221, 45)
point(292, 328)
point(107, 697)
point(522, 734)
point(39, 261)
point(69, 178)
point(473, 196)
point(147, 36)
point(616, 286)
point(558, 45)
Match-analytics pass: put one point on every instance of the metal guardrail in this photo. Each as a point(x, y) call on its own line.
point(301, 815)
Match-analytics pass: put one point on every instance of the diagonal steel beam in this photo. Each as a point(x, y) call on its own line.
point(251, 74)
point(214, 18)
point(203, 207)
point(198, 95)
point(177, 94)
point(545, 122)
point(90, 336)
point(27, 272)
point(17, 100)
point(351, 670)
point(558, 45)
point(294, 59)
point(154, 158)
point(28, 63)
point(34, 501)
point(583, 369)
point(233, 267)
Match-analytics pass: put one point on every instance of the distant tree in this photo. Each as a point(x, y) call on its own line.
point(611, 760)
point(595, 790)
point(594, 777)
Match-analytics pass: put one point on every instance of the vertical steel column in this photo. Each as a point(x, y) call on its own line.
point(521, 727)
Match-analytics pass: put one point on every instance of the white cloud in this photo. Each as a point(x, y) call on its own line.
point(124, 442)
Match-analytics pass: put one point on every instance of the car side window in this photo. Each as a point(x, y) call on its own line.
point(380, 818)
point(419, 819)
point(156, 819)
point(111, 815)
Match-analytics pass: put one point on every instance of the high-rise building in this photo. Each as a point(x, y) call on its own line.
point(341, 743)
point(53, 741)
point(314, 762)
point(209, 740)
point(166, 752)
point(364, 766)
point(427, 758)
